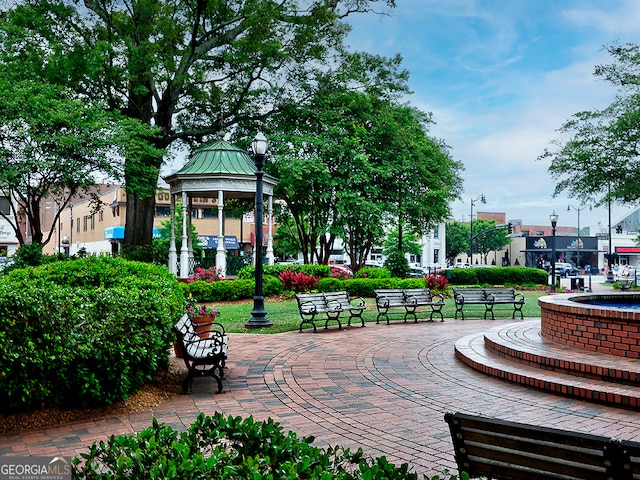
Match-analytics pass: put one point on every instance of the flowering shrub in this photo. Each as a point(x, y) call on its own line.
point(298, 281)
point(341, 273)
point(436, 282)
point(212, 274)
point(201, 311)
point(195, 310)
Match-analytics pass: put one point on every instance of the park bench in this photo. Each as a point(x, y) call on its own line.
point(489, 298)
point(409, 300)
point(499, 449)
point(202, 356)
point(331, 305)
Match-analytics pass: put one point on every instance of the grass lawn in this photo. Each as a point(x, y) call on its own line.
point(284, 314)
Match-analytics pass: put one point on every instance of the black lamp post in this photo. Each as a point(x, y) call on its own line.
point(579, 209)
point(473, 202)
point(610, 277)
point(259, 315)
point(554, 221)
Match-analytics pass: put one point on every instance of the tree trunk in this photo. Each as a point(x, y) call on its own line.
point(138, 233)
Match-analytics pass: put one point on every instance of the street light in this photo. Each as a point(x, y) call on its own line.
point(259, 315)
point(578, 242)
point(473, 202)
point(554, 221)
point(610, 277)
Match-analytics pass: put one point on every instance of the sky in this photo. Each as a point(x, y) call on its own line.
point(500, 78)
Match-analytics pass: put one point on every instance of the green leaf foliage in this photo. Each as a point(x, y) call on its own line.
point(600, 161)
point(180, 71)
point(83, 332)
point(230, 448)
point(497, 276)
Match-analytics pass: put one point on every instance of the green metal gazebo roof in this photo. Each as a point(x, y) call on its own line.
point(219, 157)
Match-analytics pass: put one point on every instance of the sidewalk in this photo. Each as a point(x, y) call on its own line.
point(383, 388)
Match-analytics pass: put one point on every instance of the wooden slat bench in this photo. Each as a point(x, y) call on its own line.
point(331, 305)
point(504, 296)
point(499, 449)
point(202, 356)
point(409, 300)
point(354, 305)
point(489, 298)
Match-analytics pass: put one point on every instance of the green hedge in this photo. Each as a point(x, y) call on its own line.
point(230, 448)
point(230, 290)
point(83, 332)
point(364, 287)
point(497, 276)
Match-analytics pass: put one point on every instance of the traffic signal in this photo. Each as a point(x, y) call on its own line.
point(510, 228)
point(619, 228)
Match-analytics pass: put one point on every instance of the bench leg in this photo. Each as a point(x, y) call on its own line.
point(355, 314)
point(308, 320)
point(410, 310)
point(382, 313)
point(459, 309)
point(186, 384)
point(489, 309)
point(332, 317)
point(517, 307)
point(436, 309)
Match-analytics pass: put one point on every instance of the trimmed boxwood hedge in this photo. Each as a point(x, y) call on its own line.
point(83, 332)
point(243, 288)
point(497, 276)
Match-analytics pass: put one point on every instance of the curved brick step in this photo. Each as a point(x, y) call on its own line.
point(523, 343)
point(473, 351)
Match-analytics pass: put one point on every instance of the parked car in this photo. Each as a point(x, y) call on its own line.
point(417, 272)
point(566, 270)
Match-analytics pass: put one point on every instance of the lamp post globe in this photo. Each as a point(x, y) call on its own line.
point(554, 221)
point(258, 314)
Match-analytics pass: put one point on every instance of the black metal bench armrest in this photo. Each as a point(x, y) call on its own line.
point(359, 302)
point(411, 301)
point(309, 307)
point(437, 298)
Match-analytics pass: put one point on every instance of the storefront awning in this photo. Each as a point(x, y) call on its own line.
point(117, 233)
point(211, 242)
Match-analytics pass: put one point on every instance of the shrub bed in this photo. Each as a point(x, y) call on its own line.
point(497, 276)
point(229, 448)
point(244, 287)
point(84, 332)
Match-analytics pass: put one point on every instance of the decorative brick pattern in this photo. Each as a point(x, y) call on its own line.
point(592, 328)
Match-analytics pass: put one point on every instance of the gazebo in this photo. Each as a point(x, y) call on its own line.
point(217, 170)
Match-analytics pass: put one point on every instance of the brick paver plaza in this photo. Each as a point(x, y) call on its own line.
point(382, 388)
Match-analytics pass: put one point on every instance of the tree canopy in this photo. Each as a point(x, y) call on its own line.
point(351, 159)
point(190, 70)
point(457, 235)
point(51, 146)
point(600, 162)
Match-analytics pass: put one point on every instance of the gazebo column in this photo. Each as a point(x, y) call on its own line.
point(173, 253)
point(221, 252)
point(270, 256)
point(184, 249)
point(189, 236)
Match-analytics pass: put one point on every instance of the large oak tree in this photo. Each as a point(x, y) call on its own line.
point(191, 69)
